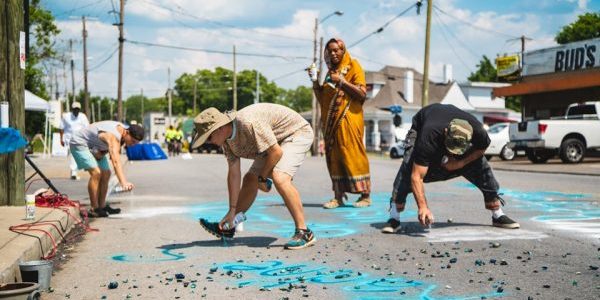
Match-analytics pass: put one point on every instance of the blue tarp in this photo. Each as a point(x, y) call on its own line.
point(145, 151)
point(11, 140)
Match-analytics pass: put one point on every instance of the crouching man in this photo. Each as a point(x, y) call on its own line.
point(89, 148)
point(444, 142)
point(277, 139)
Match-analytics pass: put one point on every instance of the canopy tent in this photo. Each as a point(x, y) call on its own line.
point(35, 103)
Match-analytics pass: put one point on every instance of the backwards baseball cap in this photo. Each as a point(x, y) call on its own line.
point(206, 122)
point(458, 136)
point(136, 131)
point(76, 105)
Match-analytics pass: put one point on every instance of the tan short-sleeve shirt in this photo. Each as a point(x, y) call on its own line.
point(260, 126)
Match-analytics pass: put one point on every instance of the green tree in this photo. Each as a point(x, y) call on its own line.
point(299, 99)
point(486, 72)
point(42, 33)
point(586, 27)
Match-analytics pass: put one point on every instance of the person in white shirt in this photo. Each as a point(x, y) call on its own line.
point(70, 124)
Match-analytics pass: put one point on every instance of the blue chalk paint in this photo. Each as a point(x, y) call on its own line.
point(272, 274)
point(167, 256)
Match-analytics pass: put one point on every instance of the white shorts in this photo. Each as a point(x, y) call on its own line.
point(294, 149)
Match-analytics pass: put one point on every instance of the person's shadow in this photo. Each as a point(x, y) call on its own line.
point(415, 229)
point(248, 241)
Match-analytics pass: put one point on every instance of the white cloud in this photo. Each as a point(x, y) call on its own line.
point(198, 10)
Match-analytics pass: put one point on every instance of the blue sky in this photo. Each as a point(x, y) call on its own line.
point(463, 31)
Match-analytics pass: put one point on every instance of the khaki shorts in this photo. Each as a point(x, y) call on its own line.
point(294, 149)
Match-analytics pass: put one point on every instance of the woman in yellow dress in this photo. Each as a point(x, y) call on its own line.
point(341, 98)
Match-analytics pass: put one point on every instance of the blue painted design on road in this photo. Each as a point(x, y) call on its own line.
point(357, 285)
point(264, 215)
point(166, 255)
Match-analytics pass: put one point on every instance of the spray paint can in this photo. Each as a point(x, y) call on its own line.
point(239, 218)
point(4, 114)
point(313, 72)
point(30, 207)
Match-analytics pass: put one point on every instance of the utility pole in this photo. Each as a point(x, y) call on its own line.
point(72, 71)
point(195, 90)
point(315, 144)
point(66, 92)
point(12, 86)
point(110, 108)
point(120, 116)
point(142, 118)
point(234, 82)
point(169, 97)
point(93, 112)
point(56, 92)
point(317, 124)
point(99, 110)
point(425, 97)
point(257, 96)
point(86, 96)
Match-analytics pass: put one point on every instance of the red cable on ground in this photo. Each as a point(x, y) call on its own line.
point(55, 201)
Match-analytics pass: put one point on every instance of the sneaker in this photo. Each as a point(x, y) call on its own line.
point(391, 226)
point(302, 238)
point(112, 211)
point(505, 222)
point(97, 213)
point(75, 177)
point(213, 228)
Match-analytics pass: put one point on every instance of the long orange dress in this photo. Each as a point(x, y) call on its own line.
point(343, 129)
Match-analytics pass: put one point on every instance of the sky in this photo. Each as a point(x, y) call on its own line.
point(462, 32)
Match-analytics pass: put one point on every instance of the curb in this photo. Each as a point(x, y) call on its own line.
point(34, 245)
point(544, 172)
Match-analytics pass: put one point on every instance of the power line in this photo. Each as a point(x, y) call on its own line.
point(454, 50)
point(288, 74)
point(472, 25)
point(182, 12)
point(446, 28)
point(215, 51)
point(66, 12)
point(380, 29)
point(104, 61)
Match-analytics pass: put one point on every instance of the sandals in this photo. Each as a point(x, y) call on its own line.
point(362, 202)
point(333, 203)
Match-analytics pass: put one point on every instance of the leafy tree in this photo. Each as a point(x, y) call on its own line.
point(41, 23)
point(486, 71)
point(299, 99)
point(586, 27)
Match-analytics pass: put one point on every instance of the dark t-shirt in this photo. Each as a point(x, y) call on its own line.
point(430, 123)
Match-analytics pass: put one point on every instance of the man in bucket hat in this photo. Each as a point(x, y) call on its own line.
point(277, 139)
point(444, 142)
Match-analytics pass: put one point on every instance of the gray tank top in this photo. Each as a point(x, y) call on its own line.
point(88, 137)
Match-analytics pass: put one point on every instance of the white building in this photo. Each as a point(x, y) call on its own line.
point(494, 110)
point(403, 87)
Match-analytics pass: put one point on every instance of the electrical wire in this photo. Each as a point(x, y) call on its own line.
point(66, 12)
point(446, 28)
point(452, 48)
point(104, 61)
point(215, 51)
point(380, 29)
point(474, 26)
point(182, 12)
point(288, 74)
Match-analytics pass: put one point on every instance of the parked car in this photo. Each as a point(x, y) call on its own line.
point(499, 145)
point(397, 148)
point(569, 136)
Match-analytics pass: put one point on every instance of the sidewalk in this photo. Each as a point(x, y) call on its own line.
point(15, 247)
point(590, 166)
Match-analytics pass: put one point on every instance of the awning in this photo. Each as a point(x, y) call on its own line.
point(566, 81)
point(497, 119)
point(35, 103)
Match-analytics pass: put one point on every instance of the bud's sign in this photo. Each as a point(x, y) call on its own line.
point(568, 57)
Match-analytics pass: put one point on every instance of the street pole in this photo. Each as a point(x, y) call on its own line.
point(317, 128)
point(425, 98)
point(12, 86)
point(169, 97)
point(234, 82)
point(315, 144)
point(257, 98)
point(142, 92)
point(120, 115)
point(86, 96)
point(110, 108)
point(72, 71)
point(195, 90)
point(99, 110)
point(66, 92)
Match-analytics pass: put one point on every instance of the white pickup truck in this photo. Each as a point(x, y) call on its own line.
point(569, 136)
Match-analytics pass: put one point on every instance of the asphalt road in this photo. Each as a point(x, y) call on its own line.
point(157, 239)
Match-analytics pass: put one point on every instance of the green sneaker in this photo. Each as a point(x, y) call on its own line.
point(302, 238)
